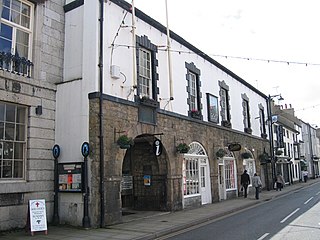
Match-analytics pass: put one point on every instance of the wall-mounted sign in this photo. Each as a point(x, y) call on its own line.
point(127, 182)
point(38, 216)
point(85, 149)
point(234, 147)
point(56, 151)
point(157, 147)
point(147, 180)
point(280, 142)
point(70, 177)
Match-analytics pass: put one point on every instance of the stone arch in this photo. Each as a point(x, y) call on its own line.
point(146, 176)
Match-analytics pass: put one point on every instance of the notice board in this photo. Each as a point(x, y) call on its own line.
point(70, 177)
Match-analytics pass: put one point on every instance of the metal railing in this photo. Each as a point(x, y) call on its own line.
point(15, 64)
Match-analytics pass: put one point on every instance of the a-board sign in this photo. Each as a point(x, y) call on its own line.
point(38, 217)
point(70, 177)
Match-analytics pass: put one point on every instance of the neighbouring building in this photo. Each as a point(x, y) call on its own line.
point(31, 63)
point(287, 143)
point(310, 149)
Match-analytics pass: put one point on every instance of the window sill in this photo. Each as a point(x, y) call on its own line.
point(226, 124)
point(149, 102)
point(248, 130)
point(196, 115)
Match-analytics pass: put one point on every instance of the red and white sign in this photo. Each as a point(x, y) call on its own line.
point(38, 217)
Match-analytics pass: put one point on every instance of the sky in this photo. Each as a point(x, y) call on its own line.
point(272, 44)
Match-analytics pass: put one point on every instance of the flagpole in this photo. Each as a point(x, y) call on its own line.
point(134, 49)
point(169, 54)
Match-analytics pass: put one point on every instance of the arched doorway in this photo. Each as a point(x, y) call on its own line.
point(196, 174)
point(144, 176)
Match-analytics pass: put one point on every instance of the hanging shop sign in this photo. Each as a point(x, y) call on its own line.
point(70, 177)
point(157, 147)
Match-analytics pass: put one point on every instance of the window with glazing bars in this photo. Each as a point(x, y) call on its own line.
point(145, 73)
point(12, 141)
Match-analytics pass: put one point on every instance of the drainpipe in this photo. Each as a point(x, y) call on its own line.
point(102, 198)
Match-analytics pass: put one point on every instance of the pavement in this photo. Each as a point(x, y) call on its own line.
point(153, 225)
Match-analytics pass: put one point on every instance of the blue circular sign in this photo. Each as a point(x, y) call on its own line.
point(85, 149)
point(56, 151)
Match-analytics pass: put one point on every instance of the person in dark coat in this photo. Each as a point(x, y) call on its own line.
point(245, 181)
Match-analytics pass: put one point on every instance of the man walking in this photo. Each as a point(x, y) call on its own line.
point(245, 181)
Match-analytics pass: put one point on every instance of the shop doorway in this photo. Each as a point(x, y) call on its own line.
point(196, 173)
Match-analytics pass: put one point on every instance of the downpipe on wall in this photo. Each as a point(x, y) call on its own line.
point(102, 185)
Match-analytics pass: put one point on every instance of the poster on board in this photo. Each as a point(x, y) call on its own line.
point(38, 216)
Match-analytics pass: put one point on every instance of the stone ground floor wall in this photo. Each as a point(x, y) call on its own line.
point(39, 163)
point(120, 117)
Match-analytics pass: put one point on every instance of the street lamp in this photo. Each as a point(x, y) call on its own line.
point(270, 122)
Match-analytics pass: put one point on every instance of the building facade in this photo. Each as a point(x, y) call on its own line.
point(287, 142)
point(31, 62)
point(124, 87)
point(310, 150)
point(70, 76)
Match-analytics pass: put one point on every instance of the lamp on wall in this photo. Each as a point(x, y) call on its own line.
point(39, 110)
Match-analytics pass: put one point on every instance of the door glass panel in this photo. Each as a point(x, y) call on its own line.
point(203, 177)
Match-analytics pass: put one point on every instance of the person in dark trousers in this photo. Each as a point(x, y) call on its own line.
point(245, 181)
point(305, 175)
point(280, 182)
point(256, 182)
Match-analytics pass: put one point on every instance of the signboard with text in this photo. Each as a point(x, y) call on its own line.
point(38, 217)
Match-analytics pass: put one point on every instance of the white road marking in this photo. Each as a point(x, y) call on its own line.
point(286, 218)
point(263, 236)
point(308, 201)
point(318, 193)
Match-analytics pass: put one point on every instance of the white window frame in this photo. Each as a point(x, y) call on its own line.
point(230, 174)
point(191, 177)
point(10, 130)
point(16, 26)
point(145, 73)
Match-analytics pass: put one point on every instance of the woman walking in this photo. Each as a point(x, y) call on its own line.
point(256, 182)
